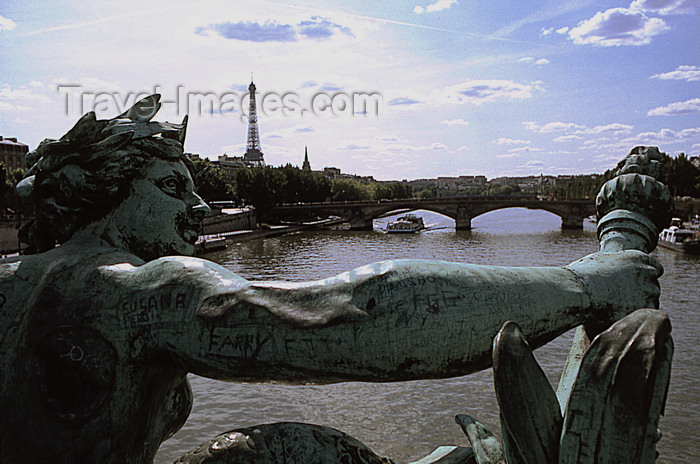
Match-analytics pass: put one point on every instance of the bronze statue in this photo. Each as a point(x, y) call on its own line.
point(100, 332)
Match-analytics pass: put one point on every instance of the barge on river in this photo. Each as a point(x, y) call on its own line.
point(407, 224)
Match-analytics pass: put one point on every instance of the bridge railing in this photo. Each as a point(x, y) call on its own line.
point(475, 198)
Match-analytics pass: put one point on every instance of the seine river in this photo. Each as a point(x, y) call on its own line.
point(408, 420)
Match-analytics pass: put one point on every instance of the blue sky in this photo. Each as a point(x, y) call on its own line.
point(464, 87)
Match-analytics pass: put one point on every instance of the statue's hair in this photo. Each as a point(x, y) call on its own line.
point(81, 177)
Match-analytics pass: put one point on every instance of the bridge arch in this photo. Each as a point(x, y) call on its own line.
point(510, 218)
point(569, 219)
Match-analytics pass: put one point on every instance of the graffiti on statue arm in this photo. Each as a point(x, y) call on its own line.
point(153, 307)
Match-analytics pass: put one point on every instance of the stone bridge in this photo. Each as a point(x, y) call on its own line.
point(462, 209)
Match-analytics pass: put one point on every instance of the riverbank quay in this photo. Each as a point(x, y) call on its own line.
point(213, 242)
point(224, 220)
point(226, 225)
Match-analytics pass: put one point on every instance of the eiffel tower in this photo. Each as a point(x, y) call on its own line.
point(253, 154)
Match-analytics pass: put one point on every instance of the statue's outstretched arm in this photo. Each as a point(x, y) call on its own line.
point(388, 321)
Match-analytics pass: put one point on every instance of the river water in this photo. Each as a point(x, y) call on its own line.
point(408, 420)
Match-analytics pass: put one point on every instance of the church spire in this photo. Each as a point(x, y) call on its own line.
point(306, 166)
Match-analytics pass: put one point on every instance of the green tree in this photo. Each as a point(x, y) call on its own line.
point(349, 190)
point(16, 176)
point(315, 187)
point(681, 176)
point(5, 181)
point(428, 193)
point(301, 186)
point(293, 188)
point(499, 189)
point(211, 182)
point(262, 187)
point(392, 191)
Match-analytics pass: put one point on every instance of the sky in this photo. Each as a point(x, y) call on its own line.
point(395, 90)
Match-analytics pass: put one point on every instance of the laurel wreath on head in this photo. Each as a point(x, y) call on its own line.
point(94, 138)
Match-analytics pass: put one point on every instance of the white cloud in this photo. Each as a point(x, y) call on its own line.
point(440, 5)
point(617, 26)
point(529, 59)
point(614, 127)
point(509, 141)
point(388, 146)
point(316, 27)
point(681, 73)
point(474, 91)
point(563, 30)
point(532, 167)
point(665, 7)
point(478, 91)
point(686, 133)
point(6, 24)
point(687, 107)
point(534, 164)
point(664, 135)
point(434, 7)
point(508, 155)
point(235, 148)
point(22, 94)
point(545, 32)
point(523, 149)
point(568, 138)
point(575, 130)
point(354, 146)
point(455, 122)
point(555, 126)
point(290, 132)
point(90, 84)
point(403, 101)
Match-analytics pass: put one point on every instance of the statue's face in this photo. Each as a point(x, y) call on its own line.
point(162, 216)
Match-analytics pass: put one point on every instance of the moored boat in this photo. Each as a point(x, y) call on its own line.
point(209, 244)
point(679, 239)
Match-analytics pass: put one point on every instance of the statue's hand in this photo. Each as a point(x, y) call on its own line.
point(619, 283)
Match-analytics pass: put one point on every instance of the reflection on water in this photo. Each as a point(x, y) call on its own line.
point(408, 420)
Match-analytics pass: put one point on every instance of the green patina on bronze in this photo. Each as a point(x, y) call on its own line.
point(100, 332)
